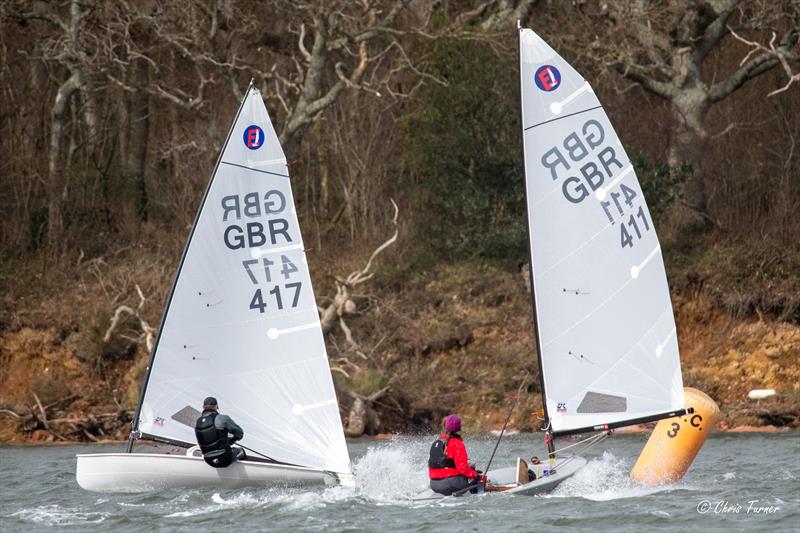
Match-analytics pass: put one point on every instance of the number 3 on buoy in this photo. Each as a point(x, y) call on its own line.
point(694, 422)
point(674, 431)
point(675, 442)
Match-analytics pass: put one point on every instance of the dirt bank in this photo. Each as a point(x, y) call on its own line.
point(455, 338)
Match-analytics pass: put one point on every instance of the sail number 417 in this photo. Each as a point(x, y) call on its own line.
point(259, 303)
point(291, 291)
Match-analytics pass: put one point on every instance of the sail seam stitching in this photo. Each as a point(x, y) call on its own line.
point(559, 118)
point(254, 169)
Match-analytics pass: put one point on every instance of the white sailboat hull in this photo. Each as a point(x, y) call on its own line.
point(504, 481)
point(537, 486)
point(142, 472)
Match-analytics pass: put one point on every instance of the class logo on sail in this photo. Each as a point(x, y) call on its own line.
point(548, 78)
point(253, 137)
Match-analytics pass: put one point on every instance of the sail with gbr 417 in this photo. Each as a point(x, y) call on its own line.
point(241, 324)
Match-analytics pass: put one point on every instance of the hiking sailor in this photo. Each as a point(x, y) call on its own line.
point(215, 433)
point(448, 467)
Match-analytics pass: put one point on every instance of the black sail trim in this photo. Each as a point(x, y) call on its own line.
point(624, 423)
point(528, 237)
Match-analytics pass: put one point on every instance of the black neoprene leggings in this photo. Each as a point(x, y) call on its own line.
point(449, 485)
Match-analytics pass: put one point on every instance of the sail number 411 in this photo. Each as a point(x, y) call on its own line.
point(631, 226)
point(626, 238)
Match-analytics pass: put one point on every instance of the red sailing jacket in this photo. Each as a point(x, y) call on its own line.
point(458, 453)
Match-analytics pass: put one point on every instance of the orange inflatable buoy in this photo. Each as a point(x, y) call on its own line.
point(675, 442)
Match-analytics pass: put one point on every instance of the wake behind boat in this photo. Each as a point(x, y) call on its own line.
point(241, 324)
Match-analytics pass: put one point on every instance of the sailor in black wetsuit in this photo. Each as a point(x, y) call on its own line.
point(215, 433)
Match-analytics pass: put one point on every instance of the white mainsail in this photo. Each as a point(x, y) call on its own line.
point(241, 323)
point(607, 339)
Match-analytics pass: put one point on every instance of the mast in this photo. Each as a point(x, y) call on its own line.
point(135, 433)
point(548, 436)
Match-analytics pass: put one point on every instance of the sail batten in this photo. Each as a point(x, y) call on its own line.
point(604, 322)
point(241, 323)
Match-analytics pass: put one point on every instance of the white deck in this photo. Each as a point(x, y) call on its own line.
point(141, 472)
point(569, 465)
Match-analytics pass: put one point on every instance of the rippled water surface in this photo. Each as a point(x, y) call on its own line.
point(39, 493)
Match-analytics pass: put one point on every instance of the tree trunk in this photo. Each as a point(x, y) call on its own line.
point(357, 418)
point(136, 164)
point(688, 144)
point(56, 184)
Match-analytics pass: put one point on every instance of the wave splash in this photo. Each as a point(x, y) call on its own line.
point(605, 478)
point(55, 515)
point(386, 474)
point(390, 473)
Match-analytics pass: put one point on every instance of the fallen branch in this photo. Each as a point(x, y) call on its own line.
point(41, 410)
point(44, 418)
point(362, 418)
point(342, 304)
point(148, 332)
point(88, 418)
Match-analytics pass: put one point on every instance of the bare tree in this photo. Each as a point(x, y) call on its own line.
point(783, 55)
point(497, 15)
point(67, 47)
point(664, 47)
point(332, 54)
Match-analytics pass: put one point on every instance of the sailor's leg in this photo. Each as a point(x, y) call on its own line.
point(219, 458)
point(238, 453)
point(449, 485)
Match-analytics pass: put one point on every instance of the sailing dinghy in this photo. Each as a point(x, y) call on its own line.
point(603, 320)
point(240, 324)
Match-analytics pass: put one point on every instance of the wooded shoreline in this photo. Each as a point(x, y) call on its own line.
point(400, 121)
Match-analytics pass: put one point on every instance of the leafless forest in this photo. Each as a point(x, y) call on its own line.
point(112, 115)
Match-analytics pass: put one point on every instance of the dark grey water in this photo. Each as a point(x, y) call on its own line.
point(39, 493)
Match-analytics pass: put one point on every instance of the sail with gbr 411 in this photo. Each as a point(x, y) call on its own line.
point(605, 331)
point(241, 324)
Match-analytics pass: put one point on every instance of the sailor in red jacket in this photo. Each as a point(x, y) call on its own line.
point(448, 466)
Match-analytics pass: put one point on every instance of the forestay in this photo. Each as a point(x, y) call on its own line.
point(242, 323)
point(606, 330)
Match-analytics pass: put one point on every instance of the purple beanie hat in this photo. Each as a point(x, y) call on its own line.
point(452, 423)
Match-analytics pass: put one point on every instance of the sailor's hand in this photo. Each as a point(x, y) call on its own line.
point(483, 479)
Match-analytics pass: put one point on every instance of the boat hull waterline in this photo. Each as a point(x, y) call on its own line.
point(503, 480)
point(142, 472)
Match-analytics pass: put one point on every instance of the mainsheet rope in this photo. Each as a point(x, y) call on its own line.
point(589, 442)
